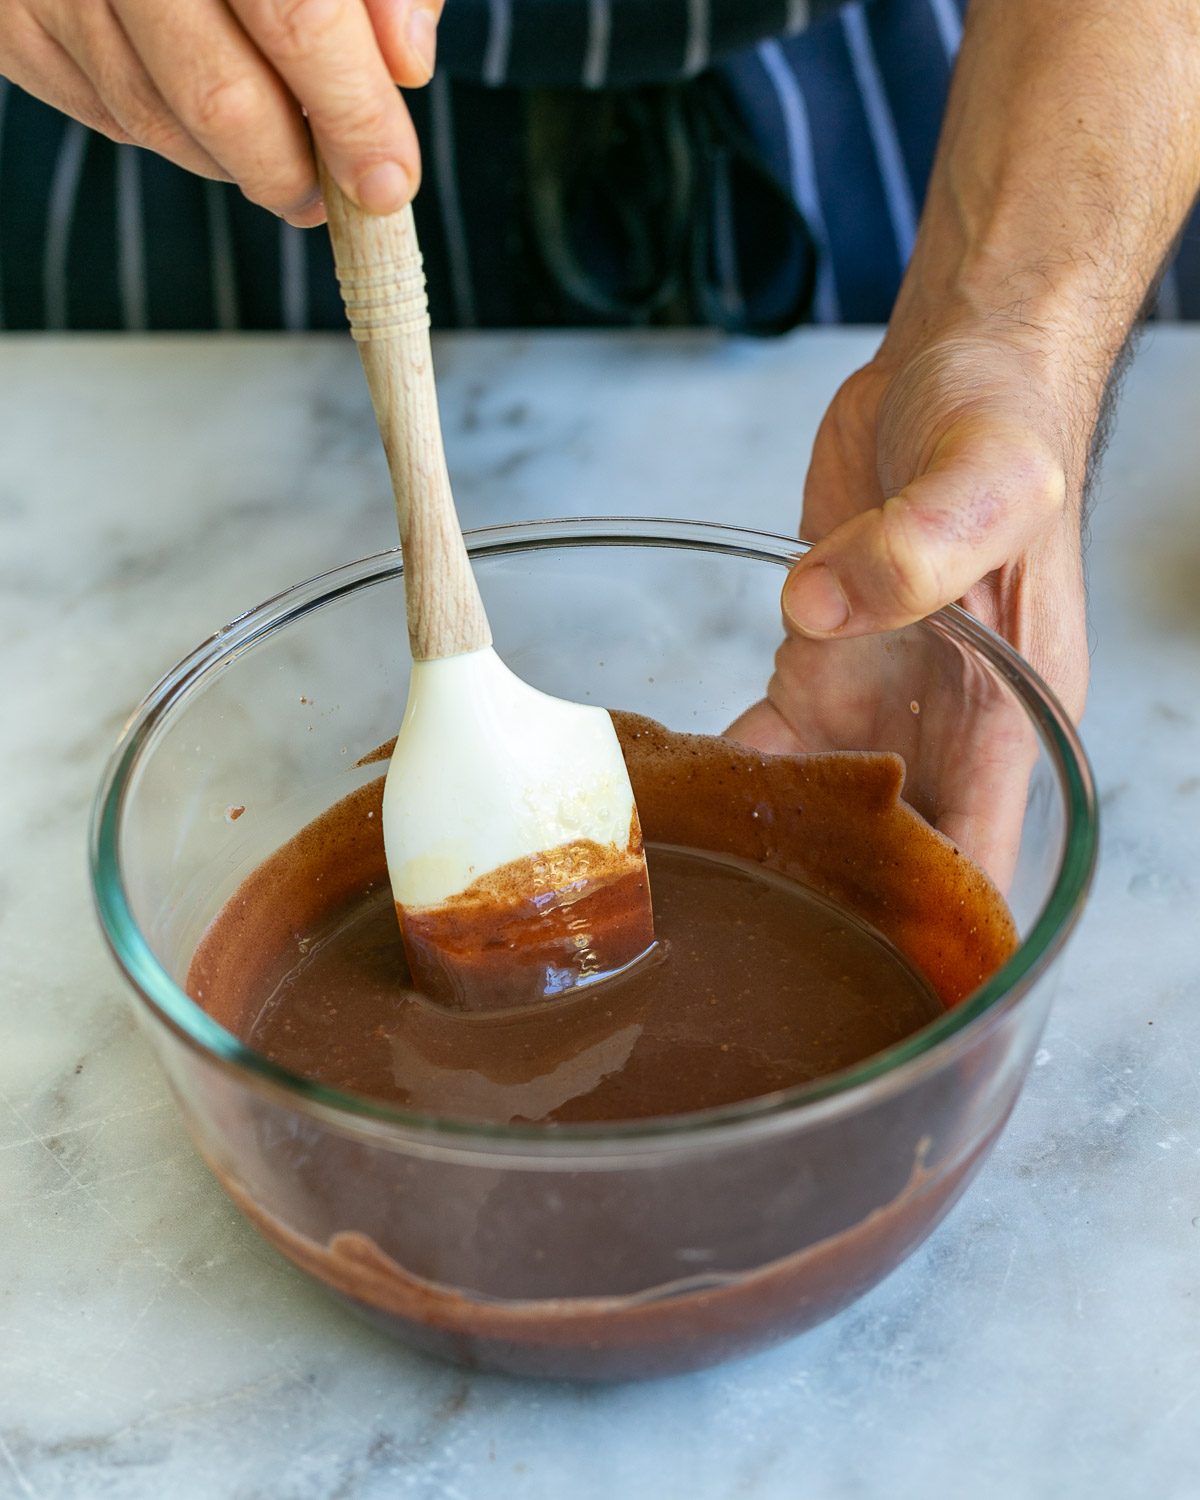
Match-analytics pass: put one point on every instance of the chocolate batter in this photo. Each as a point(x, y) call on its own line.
point(758, 981)
point(756, 985)
point(806, 918)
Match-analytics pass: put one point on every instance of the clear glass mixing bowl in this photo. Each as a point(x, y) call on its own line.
point(596, 1251)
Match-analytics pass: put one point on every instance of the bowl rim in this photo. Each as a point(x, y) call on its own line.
point(880, 1075)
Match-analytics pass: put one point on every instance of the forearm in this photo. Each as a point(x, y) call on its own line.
point(1069, 157)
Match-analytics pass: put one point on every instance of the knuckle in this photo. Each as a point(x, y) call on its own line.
point(910, 572)
point(284, 198)
point(296, 28)
point(1042, 480)
point(350, 118)
point(140, 111)
point(157, 132)
point(136, 108)
point(283, 186)
point(976, 512)
point(1020, 478)
point(103, 122)
point(226, 107)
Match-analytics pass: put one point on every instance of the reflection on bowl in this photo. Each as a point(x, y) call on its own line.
point(590, 1250)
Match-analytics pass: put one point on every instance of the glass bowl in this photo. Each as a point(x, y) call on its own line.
point(591, 1250)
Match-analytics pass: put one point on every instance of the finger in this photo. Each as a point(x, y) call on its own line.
point(1041, 609)
point(985, 495)
point(986, 823)
point(327, 54)
point(762, 727)
point(406, 31)
point(985, 751)
point(43, 68)
point(93, 38)
point(229, 99)
point(822, 695)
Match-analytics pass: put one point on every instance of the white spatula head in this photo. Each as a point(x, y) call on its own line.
point(512, 838)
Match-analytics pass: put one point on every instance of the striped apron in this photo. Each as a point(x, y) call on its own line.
point(750, 164)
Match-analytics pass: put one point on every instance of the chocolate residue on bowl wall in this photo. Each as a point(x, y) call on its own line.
point(687, 1323)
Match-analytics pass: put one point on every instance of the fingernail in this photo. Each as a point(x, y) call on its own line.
point(814, 603)
point(422, 37)
point(383, 189)
point(301, 211)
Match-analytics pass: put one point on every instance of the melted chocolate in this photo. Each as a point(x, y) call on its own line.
point(756, 985)
point(827, 921)
point(807, 917)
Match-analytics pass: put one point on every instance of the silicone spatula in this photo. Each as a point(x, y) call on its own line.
point(510, 828)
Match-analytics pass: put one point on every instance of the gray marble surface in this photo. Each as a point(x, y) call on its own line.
point(1045, 1342)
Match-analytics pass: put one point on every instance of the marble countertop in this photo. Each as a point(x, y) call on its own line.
point(1044, 1342)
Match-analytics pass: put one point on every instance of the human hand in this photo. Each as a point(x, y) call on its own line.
point(950, 473)
point(953, 465)
point(222, 87)
point(944, 470)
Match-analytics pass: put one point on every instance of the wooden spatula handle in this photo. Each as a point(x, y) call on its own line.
point(383, 286)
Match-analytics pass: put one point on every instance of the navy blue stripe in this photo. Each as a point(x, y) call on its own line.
point(325, 308)
point(916, 77)
point(759, 247)
point(755, 102)
point(255, 236)
point(641, 35)
point(489, 150)
point(5, 91)
point(32, 134)
point(430, 230)
point(772, 253)
point(1187, 267)
point(866, 263)
point(549, 37)
point(736, 25)
point(179, 290)
point(463, 38)
point(548, 42)
point(776, 258)
point(93, 290)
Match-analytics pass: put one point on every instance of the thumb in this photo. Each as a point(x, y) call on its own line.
point(975, 508)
